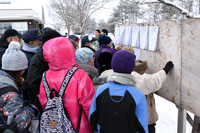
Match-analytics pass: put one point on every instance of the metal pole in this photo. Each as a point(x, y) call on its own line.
point(181, 120)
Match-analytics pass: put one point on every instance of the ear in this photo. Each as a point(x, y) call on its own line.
point(30, 43)
point(21, 72)
point(9, 39)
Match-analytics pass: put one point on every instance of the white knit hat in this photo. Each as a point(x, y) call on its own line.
point(14, 59)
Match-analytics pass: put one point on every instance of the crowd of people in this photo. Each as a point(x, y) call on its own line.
point(48, 78)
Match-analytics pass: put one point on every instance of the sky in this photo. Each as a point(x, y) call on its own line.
point(36, 5)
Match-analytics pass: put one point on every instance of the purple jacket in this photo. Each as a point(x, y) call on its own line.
point(103, 48)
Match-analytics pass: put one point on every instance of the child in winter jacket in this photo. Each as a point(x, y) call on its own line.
point(14, 115)
point(60, 55)
point(116, 107)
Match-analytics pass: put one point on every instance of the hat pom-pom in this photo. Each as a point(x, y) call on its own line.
point(14, 46)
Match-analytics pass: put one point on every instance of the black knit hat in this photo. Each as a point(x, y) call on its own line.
point(49, 34)
point(104, 40)
point(11, 32)
point(104, 61)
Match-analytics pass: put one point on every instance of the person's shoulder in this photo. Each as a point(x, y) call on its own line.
point(134, 91)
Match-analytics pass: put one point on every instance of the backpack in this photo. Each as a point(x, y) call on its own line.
point(54, 117)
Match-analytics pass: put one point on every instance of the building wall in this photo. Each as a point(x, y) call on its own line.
point(19, 25)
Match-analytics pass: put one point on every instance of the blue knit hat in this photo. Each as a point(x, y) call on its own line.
point(83, 55)
point(123, 61)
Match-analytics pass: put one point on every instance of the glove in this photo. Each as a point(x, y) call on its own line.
point(168, 66)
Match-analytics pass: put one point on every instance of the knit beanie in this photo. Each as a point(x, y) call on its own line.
point(14, 59)
point(104, 40)
point(123, 61)
point(83, 55)
point(130, 49)
point(49, 34)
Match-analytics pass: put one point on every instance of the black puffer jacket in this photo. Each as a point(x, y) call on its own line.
point(37, 67)
point(3, 46)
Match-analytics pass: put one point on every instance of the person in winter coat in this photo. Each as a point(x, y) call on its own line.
point(60, 55)
point(76, 39)
point(105, 43)
point(8, 36)
point(141, 68)
point(84, 58)
point(86, 41)
point(116, 107)
point(32, 43)
point(37, 67)
point(14, 115)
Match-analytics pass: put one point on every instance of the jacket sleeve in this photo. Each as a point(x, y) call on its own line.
point(36, 68)
point(92, 114)
point(148, 83)
point(85, 92)
point(142, 113)
point(16, 111)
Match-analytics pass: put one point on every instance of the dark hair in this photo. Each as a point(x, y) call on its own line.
point(98, 31)
point(74, 44)
point(105, 31)
point(16, 75)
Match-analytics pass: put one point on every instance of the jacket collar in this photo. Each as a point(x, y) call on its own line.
point(127, 79)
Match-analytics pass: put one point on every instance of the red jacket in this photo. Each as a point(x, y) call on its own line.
point(60, 54)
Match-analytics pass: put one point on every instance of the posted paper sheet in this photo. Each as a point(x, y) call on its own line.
point(144, 37)
point(153, 37)
point(135, 36)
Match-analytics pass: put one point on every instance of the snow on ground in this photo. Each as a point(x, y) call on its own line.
point(168, 117)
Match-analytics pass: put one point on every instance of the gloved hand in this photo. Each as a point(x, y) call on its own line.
point(168, 66)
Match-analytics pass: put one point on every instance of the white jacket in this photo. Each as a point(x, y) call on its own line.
point(147, 83)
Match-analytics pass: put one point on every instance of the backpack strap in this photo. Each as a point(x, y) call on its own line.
point(46, 86)
point(8, 89)
point(66, 80)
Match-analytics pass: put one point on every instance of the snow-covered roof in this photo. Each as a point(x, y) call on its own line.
point(18, 14)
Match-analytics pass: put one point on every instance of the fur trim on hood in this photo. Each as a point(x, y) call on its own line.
point(140, 66)
point(127, 79)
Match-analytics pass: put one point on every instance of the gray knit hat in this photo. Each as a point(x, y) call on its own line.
point(14, 59)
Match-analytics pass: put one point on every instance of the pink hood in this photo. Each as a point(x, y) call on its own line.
point(66, 57)
point(60, 54)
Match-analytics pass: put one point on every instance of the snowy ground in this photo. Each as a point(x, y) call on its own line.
point(168, 117)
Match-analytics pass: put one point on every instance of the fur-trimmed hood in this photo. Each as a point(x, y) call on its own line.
point(121, 78)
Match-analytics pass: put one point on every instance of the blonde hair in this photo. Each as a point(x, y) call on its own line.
point(130, 49)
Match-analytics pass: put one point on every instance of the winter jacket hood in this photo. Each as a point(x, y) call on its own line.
point(90, 70)
point(7, 79)
point(66, 57)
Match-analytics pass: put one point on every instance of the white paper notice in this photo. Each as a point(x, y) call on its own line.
point(121, 35)
point(135, 36)
point(137, 53)
point(126, 40)
point(117, 35)
point(143, 37)
point(153, 37)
